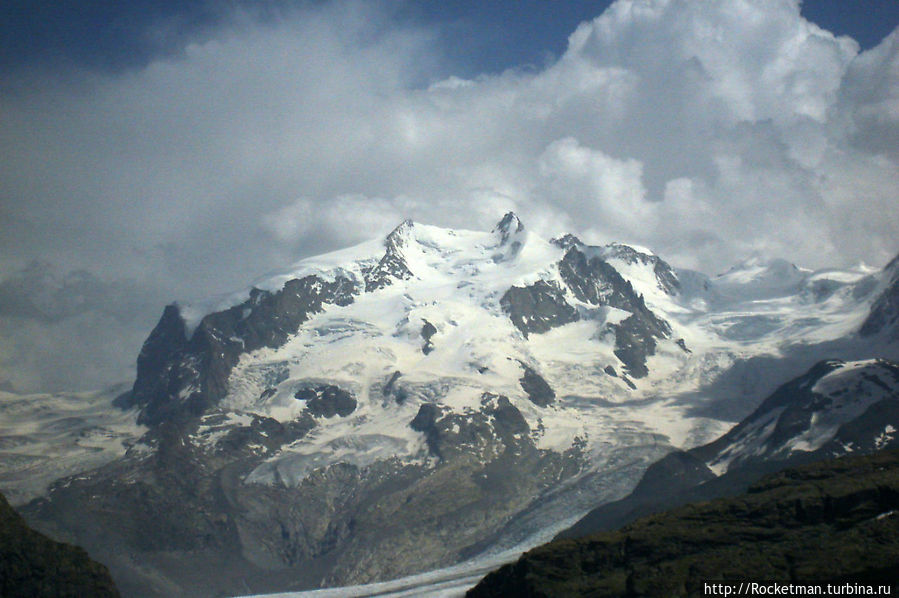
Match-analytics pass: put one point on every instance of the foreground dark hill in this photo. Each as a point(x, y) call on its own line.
point(33, 566)
point(829, 522)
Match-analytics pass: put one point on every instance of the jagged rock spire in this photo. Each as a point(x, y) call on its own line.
point(509, 225)
point(397, 235)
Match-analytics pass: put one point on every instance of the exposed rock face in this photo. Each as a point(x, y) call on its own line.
point(510, 231)
point(884, 315)
point(392, 266)
point(538, 307)
point(180, 377)
point(830, 522)
point(595, 281)
point(566, 241)
point(190, 503)
point(32, 565)
point(497, 427)
point(539, 392)
point(508, 226)
point(427, 331)
point(833, 400)
point(391, 389)
point(327, 400)
point(665, 275)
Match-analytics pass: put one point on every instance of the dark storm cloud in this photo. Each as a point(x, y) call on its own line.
point(71, 330)
point(112, 35)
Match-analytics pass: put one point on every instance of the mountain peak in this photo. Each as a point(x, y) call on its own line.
point(566, 241)
point(397, 236)
point(508, 225)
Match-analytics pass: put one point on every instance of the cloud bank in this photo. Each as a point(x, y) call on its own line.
point(704, 130)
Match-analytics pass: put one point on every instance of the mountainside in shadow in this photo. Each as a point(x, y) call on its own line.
point(834, 409)
point(834, 522)
point(34, 566)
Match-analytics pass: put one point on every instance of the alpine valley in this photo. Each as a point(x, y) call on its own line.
point(447, 396)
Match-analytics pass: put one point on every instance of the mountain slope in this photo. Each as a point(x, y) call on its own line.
point(884, 315)
point(413, 402)
point(33, 566)
point(831, 522)
point(834, 409)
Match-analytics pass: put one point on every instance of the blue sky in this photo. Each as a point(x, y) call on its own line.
point(158, 151)
point(479, 36)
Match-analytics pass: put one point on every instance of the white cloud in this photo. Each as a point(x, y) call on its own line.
point(705, 130)
point(602, 189)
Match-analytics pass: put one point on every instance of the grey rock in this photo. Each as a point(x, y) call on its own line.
point(538, 390)
point(884, 314)
point(537, 308)
point(180, 378)
point(595, 281)
point(428, 330)
point(392, 266)
point(327, 400)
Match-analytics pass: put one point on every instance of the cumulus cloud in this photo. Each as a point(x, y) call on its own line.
point(704, 130)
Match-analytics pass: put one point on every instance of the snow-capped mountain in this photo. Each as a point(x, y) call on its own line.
point(411, 402)
point(834, 409)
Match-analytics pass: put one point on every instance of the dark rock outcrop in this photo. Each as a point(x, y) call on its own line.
point(498, 426)
point(538, 390)
point(884, 314)
point(179, 378)
point(34, 566)
point(665, 276)
point(391, 388)
point(537, 308)
point(392, 266)
point(428, 330)
point(327, 400)
point(634, 342)
point(508, 226)
point(566, 241)
point(792, 408)
point(595, 281)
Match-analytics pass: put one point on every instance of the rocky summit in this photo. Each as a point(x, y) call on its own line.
point(441, 395)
